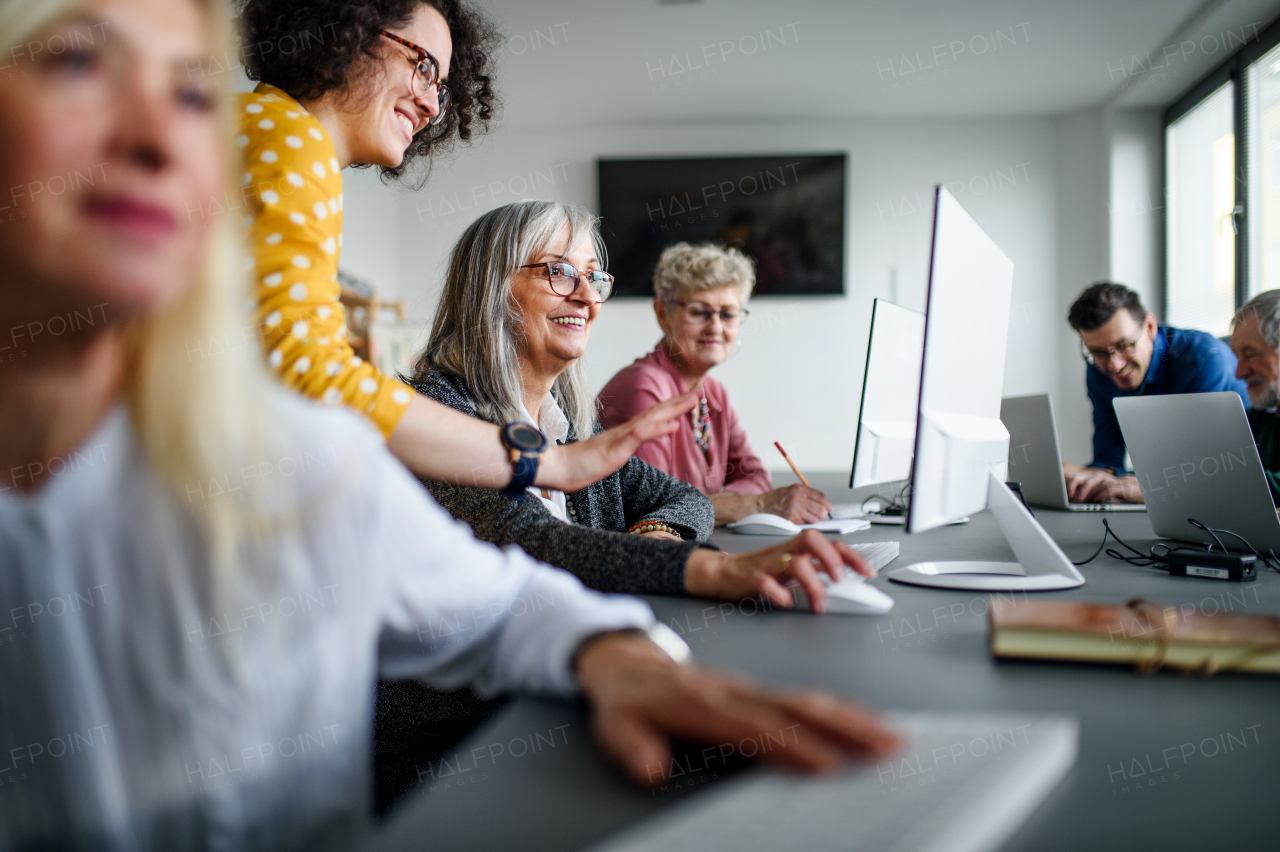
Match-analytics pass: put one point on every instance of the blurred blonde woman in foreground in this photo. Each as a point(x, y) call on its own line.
point(193, 564)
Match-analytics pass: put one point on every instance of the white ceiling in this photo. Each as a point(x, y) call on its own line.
point(576, 62)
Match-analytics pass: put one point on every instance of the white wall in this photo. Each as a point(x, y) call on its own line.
point(797, 377)
point(1110, 227)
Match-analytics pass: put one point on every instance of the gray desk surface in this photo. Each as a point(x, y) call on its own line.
point(1161, 764)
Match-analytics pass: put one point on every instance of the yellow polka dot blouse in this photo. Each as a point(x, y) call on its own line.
point(294, 187)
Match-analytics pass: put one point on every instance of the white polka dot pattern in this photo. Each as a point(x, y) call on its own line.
point(296, 235)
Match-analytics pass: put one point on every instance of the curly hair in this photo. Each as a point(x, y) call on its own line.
point(687, 269)
point(309, 48)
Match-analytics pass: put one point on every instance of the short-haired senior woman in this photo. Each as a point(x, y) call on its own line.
point(700, 300)
point(386, 84)
point(524, 286)
point(152, 691)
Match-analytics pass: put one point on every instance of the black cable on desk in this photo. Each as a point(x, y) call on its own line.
point(1152, 559)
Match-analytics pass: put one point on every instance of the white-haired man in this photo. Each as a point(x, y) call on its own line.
point(1255, 338)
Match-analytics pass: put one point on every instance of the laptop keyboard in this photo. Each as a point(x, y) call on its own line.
point(1107, 507)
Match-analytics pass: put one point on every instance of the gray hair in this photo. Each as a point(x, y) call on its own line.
point(1265, 308)
point(685, 268)
point(478, 325)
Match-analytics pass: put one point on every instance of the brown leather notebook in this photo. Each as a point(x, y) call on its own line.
point(1141, 633)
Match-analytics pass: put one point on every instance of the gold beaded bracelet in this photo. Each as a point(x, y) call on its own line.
point(653, 526)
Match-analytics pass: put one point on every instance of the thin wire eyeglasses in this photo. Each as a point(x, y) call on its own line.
point(700, 314)
point(1098, 357)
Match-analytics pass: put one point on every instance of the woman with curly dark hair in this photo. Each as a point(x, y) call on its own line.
point(385, 83)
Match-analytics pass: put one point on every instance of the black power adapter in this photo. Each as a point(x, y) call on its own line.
point(1212, 566)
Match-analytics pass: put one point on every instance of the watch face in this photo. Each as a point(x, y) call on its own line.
point(525, 437)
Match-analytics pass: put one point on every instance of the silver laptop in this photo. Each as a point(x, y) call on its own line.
point(961, 784)
point(1035, 461)
point(1196, 458)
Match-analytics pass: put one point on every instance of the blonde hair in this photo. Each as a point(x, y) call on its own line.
point(686, 269)
point(192, 426)
point(478, 324)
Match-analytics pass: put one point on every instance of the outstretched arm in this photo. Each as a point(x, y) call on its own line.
point(437, 442)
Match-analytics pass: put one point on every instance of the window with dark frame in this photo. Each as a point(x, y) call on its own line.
point(1222, 188)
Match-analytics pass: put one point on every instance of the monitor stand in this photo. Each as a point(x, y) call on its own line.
point(1041, 565)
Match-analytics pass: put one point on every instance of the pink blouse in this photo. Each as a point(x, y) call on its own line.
point(731, 464)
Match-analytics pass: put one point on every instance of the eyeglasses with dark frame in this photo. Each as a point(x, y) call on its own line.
point(426, 73)
point(565, 278)
point(701, 314)
point(1099, 357)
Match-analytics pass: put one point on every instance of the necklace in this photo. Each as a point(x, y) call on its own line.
point(702, 425)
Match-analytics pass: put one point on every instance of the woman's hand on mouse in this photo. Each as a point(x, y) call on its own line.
point(734, 576)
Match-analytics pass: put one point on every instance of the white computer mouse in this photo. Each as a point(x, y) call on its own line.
point(851, 596)
point(763, 523)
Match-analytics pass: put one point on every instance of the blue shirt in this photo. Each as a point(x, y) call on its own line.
point(1182, 361)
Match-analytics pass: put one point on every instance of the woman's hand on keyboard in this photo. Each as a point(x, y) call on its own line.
point(734, 576)
point(641, 700)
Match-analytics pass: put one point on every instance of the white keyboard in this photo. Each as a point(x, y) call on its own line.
point(878, 553)
point(961, 783)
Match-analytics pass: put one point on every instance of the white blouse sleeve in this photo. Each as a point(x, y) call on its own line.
point(457, 610)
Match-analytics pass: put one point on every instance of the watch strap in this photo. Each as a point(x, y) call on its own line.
point(523, 473)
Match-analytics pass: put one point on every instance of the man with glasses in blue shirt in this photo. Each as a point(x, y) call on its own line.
point(1128, 354)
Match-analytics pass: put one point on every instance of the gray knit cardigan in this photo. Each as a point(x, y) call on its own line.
point(597, 548)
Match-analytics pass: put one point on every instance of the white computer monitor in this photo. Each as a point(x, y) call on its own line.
point(890, 395)
point(962, 447)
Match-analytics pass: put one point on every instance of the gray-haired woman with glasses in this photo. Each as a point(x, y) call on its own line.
point(700, 291)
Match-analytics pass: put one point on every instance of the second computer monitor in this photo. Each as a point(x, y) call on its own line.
point(960, 440)
point(890, 393)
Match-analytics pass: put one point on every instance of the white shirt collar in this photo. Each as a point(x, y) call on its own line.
point(551, 421)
